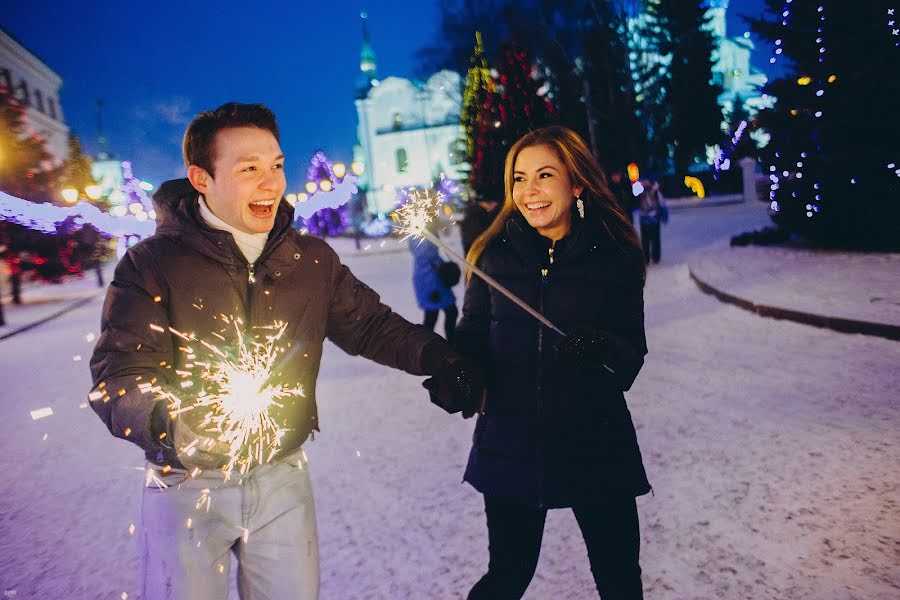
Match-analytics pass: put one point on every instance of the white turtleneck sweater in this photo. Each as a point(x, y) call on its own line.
point(250, 244)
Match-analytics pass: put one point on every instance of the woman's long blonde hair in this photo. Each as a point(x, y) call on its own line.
point(583, 169)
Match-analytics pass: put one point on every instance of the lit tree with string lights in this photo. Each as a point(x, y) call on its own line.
point(321, 177)
point(834, 156)
point(517, 105)
point(478, 87)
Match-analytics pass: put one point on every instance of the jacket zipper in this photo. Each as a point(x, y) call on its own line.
point(540, 391)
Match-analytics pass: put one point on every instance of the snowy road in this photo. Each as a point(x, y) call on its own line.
point(772, 447)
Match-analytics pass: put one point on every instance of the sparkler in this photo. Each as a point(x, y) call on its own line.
point(238, 399)
point(421, 210)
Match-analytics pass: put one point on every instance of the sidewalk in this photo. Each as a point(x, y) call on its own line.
point(42, 302)
point(849, 292)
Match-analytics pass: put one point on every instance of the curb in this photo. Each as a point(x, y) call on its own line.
point(891, 332)
point(59, 313)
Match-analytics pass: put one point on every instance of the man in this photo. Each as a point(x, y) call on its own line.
point(653, 212)
point(224, 263)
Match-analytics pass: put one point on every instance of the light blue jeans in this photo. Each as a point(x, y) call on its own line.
point(268, 520)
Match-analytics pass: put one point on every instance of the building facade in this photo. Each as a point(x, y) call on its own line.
point(36, 86)
point(409, 132)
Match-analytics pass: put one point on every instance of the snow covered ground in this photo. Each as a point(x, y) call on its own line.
point(772, 447)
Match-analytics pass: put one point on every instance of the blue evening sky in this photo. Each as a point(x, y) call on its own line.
point(156, 64)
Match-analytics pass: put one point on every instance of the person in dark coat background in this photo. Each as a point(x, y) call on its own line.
point(477, 218)
point(653, 213)
point(556, 431)
point(432, 294)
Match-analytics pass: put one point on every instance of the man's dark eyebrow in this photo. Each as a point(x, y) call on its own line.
point(252, 157)
point(540, 169)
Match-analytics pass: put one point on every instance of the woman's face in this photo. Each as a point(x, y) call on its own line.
point(543, 192)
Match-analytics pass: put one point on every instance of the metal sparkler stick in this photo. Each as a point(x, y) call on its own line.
point(419, 211)
point(493, 282)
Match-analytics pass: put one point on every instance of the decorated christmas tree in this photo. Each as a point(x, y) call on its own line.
point(479, 86)
point(25, 164)
point(834, 156)
point(326, 221)
point(517, 105)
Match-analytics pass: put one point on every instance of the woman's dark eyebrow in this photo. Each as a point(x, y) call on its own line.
point(539, 169)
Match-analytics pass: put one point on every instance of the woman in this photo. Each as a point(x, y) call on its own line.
point(432, 294)
point(556, 432)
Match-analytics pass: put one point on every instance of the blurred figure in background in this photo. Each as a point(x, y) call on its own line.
point(653, 212)
point(432, 293)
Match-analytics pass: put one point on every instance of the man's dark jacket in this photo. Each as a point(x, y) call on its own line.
point(553, 435)
point(192, 279)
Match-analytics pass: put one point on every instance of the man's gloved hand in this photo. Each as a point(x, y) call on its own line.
point(586, 350)
point(458, 385)
point(190, 437)
point(195, 444)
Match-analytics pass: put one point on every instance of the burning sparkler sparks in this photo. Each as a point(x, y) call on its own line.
point(237, 395)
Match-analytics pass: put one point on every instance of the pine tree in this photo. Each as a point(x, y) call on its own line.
point(486, 174)
point(75, 171)
point(478, 87)
point(566, 88)
point(24, 161)
point(833, 157)
point(679, 102)
point(620, 138)
point(522, 106)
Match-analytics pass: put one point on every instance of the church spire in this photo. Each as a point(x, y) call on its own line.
point(367, 55)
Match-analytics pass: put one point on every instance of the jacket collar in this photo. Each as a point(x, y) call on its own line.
point(178, 214)
point(585, 234)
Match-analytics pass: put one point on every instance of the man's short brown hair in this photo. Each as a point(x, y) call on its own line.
point(199, 146)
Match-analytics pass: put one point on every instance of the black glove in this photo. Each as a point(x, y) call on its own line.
point(458, 385)
point(586, 350)
point(190, 437)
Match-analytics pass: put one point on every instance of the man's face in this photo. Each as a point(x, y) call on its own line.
point(249, 180)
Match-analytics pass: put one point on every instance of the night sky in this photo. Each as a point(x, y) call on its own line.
point(157, 64)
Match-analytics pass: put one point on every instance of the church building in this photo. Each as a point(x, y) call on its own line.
point(409, 131)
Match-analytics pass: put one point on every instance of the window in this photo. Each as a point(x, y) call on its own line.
point(397, 122)
point(22, 96)
point(51, 108)
point(39, 100)
point(6, 79)
point(402, 163)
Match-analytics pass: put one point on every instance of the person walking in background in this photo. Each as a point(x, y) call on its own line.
point(653, 213)
point(477, 218)
point(432, 294)
point(555, 430)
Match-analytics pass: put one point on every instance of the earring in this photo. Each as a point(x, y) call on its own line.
point(579, 204)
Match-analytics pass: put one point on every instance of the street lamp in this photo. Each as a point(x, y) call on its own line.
point(70, 195)
point(357, 167)
point(340, 169)
point(93, 191)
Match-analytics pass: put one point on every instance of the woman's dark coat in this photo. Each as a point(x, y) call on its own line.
point(554, 436)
